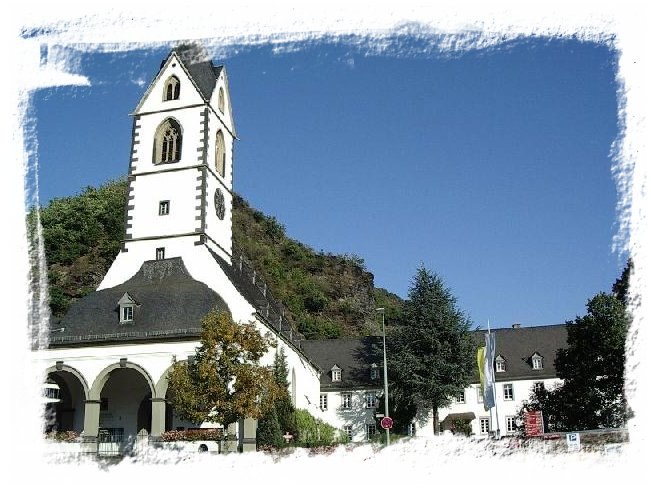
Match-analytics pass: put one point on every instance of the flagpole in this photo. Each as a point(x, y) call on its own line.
point(490, 409)
point(497, 417)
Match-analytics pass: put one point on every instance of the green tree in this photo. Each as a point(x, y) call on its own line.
point(429, 357)
point(591, 367)
point(225, 382)
point(281, 418)
point(81, 236)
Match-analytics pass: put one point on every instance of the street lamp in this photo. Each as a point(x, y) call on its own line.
point(386, 381)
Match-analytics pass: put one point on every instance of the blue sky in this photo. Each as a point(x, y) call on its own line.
point(491, 168)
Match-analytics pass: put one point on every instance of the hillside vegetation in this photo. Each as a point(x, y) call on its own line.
point(327, 295)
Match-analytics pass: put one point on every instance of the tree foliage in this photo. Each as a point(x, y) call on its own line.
point(326, 295)
point(281, 418)
point(591, 367)
point(313, 431)
point(225, 382)
point(81, 236)
point(429, 357)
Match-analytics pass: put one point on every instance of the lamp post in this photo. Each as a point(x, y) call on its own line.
point(386, 381)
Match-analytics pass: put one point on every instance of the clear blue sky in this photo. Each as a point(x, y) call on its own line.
point(490, 168)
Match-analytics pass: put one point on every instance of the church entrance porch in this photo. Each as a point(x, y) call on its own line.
point(66, 413)
point(119, 410)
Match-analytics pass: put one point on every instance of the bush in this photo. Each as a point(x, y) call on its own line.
point(63, 436)
point(206, 434)
point(313, 432)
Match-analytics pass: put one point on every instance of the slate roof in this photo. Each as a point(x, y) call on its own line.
point(169, 304)
point(252, 288)
point(516, 345)
point(353, 355)
point(203, 72)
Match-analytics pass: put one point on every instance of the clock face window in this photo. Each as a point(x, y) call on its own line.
point(220, 207)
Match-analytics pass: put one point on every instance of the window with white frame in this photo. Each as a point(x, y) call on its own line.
point(480, 395)
point(347, 400)
point(371, 400)
point(126, 308)
point(127, 313)
point(484, 426)
point(538, 386)
point(371, 430)
point(348, 431)
point(537, 362)
point(500, 364)
point(336, 374)
point(323, 402)
point(460, 398)
point(164, 207)
point(508, 392)
point(510, 424)
point(411, 429)
point(160, 253)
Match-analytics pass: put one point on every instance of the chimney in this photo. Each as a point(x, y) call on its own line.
point(515, 326)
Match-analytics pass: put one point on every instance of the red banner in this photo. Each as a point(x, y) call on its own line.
point(533, 423)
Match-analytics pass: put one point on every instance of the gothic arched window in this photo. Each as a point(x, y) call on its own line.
point(167, 142)
point(172, 89)
point(220, 100)
point(220, 153)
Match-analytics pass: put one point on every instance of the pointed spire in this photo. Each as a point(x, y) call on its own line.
point(192, 52)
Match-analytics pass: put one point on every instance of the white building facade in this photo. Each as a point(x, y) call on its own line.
point(524, 361)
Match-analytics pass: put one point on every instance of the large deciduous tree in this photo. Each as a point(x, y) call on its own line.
point(225, 381)
point(429, 357)
point(591, 367)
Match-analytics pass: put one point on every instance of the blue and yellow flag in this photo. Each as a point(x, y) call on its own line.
point(487, 371)
point(481, 355)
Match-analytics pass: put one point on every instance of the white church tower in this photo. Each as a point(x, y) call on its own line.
point(181, 169)
point(112, 351)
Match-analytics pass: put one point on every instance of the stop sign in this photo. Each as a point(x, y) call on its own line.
point(386, 423)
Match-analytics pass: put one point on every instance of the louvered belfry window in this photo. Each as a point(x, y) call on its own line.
point(172, 89)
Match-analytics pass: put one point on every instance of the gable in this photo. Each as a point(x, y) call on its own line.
point(189, 94)
point(227, 115)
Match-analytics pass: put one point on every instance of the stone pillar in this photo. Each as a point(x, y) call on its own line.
point(248, 428)
point(157, 418)
point(91, 426)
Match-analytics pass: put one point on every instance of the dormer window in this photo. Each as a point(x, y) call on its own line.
point(375, 372)
point(336, 374)
point(500, 364)
point(536, 362)
point(126, 308)
point(172, 89)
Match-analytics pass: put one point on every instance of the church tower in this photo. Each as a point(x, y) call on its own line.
point(181, 167)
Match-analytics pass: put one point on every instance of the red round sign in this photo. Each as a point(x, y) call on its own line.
point(386, 423)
